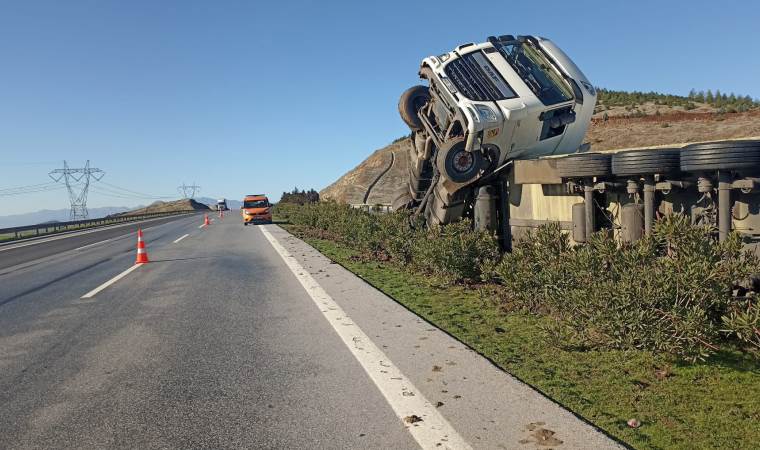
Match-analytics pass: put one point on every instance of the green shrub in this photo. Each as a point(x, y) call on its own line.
point(397, 236)
point(743, 322)
point(454, 252)
point(668, 293)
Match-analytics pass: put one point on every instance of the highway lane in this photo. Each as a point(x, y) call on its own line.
point(234, 337)
point(211, 345)
point(13, 253)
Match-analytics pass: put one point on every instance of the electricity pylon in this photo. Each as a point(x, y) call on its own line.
point(77, 192)
point(188, 191)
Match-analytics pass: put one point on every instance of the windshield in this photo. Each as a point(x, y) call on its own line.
point(255, 204)
point(535, 69)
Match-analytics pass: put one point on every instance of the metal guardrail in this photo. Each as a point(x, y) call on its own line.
point(55, 227)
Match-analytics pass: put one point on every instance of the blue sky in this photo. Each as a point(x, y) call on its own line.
point(246, 96)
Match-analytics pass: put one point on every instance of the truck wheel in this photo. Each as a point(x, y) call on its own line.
point(646, 162)
point(410, 102)
point(456, 163)
point(584, 165)
point(725, 155)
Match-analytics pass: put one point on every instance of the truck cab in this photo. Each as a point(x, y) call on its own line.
point(485, 105)
point(256, 209)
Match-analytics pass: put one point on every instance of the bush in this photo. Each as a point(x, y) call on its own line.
point(451, 253)
point(454, 252)
point(668, 293)
point(397, 236)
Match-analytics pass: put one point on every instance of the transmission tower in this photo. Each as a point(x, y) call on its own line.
point(188, 191)
point(77, 191)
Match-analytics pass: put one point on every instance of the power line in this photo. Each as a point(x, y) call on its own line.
point(135, 193)
point(77, 192)
point(102, 190)
point(188, 191)
point(30, 189)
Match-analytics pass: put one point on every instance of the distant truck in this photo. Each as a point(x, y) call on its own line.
point(221, 205)
point(256, 209)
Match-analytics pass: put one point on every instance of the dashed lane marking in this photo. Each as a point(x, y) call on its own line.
point(181, 237)
point(92, 245)
point(113, 280)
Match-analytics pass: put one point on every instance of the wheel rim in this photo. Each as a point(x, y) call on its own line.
point(463, 161)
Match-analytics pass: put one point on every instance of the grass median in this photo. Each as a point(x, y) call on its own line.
point(709, 404)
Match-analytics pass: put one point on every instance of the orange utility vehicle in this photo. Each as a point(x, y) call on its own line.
point(256, 209)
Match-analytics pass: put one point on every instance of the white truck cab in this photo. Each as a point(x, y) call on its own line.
point(486, 104)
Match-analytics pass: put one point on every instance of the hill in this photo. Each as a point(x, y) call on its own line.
point(622, 120)
point(352, 187)
point(176, 205)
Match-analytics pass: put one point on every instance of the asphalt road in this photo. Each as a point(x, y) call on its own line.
point(240, 337)
point(25, 250)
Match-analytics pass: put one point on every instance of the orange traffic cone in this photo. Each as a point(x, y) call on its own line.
point(205, 220)
point(142, 254)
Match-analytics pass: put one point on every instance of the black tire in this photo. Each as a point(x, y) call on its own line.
point(410, 102)
point(646, 162)
point(245, 224)
point(585, 165)
point(456, 163)
point(725, 155)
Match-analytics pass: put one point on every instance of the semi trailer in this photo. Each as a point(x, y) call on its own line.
point(497, 136)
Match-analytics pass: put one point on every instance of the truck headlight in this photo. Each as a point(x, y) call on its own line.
point(486, 113)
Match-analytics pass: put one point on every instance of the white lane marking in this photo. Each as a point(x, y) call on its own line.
point(110, 282)
point(74, 233)
point(405, 399)
point(202, 225)
point(181, 237)
point(92, 245)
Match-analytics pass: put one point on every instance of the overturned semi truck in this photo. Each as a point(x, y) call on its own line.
point(497, 137)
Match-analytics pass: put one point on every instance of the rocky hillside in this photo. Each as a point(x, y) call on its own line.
point(613, 127)
point(352, 187)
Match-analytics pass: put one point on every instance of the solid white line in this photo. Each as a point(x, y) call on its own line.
point(181, 237)
point(110, 282)
point(434, 431)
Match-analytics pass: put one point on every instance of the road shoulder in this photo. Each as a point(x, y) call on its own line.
point(487, 406)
